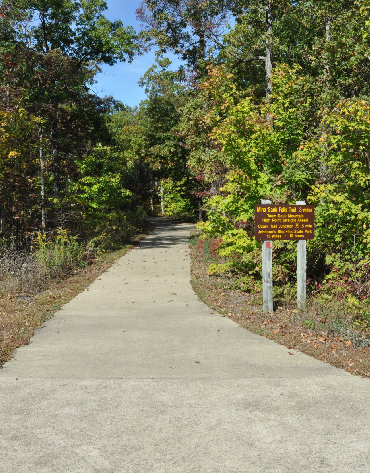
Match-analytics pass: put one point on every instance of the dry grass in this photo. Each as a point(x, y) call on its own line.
point(19, 272)
point(351, 353)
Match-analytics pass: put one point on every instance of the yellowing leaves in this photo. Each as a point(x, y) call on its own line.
point(13, 154)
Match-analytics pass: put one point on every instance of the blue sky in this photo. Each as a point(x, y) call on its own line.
point(120, 80)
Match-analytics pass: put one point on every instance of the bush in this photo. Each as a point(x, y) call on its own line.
point(177, 203)
point(116, 228)
point(58, 255)
point(53, 256)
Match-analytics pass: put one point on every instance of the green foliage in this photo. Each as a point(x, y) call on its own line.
point(103, 191)
point(111, 213)
point(79, 29)
point(18, 171)
point(347, 279)
point(186, 27)
point(100, 187)
point(340, 196)
point(177, 203)
point(365, 12)
point(56, 256)
point(205, 158)
point(309, 323)
point(114, 229)
point(276, 151)
point(220, 268)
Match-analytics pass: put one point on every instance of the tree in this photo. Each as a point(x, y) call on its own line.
point(52, 51)
point(79, 30)
point(324, 38)
point(190, 28)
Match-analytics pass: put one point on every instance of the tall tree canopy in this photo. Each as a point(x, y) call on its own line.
point(191, 28)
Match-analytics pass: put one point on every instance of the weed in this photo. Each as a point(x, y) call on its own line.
point(53, 257)
point(58, 255)
point(309, 323)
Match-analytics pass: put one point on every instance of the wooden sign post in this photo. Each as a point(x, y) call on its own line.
point(284, 222)
point(268, 303)
point(301, 270)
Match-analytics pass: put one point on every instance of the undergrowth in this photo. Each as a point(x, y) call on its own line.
point(338, 305)
point(52, 257)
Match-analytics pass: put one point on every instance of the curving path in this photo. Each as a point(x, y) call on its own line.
point(136, 375)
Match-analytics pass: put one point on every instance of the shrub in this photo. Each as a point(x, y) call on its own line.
point(177, 203)
point(58, 255)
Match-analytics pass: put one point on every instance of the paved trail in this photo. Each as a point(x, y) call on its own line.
point(136, 375)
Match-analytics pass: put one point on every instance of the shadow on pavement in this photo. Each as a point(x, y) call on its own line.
point(164, 233)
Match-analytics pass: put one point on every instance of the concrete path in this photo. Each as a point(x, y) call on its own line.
point(136, 375)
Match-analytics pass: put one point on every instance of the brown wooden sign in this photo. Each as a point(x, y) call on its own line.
point(284, 222)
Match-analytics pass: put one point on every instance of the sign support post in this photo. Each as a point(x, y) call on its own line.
point(268, 304)
point(301, 270)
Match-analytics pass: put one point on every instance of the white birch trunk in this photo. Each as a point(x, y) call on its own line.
point(268, 61)
point(42, 178)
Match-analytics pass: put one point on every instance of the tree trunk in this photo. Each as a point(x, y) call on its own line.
point(162, 198)
point(42, 178)
point(323, 171)
point(55, 163)
point(327, 41)
point(202, 47)
point(56, 174)
point(200, 210)
point(201, 52)
point(268, 62)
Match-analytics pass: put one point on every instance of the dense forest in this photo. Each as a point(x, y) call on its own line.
point(271, 102)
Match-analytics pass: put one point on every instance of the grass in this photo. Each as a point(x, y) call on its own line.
point(325, 331)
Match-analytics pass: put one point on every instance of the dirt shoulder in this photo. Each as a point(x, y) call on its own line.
point(282, 326)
